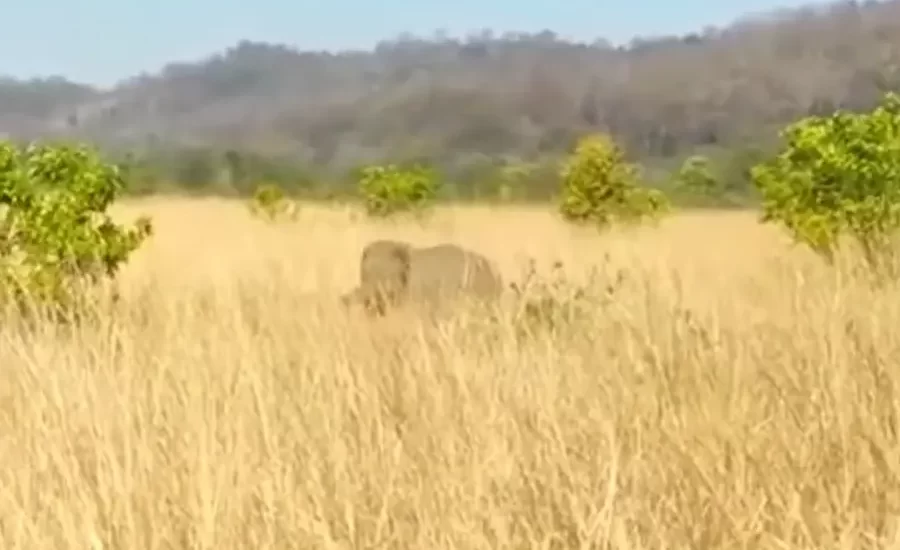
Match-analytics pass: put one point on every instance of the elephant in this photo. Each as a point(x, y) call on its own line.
point(393, 273)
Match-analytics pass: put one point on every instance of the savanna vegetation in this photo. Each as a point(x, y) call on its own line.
point(180, 371)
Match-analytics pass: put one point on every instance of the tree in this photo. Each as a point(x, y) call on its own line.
point(55, 231)
point(600, 187)
point(695, 177)
point(390, 189)
point(270, 204)
point(837, 175)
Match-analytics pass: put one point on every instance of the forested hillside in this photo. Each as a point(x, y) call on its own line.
point(454, 101)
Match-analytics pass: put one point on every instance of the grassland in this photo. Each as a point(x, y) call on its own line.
point(733, 393)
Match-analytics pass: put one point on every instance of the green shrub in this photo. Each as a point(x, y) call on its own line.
point(390, 189)
point(695, 177)
point(837, 175)
point(600, 187)
point(270, 204)
point(55, 232)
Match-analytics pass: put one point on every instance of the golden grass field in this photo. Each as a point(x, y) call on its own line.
point(733, 394)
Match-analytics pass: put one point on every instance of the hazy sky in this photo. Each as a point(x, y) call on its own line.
point(101, 41)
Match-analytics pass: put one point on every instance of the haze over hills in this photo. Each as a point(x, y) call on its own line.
point(491, 94)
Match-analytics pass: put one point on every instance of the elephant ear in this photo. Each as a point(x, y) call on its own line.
point(384, 272)
point(402, 257)
point(386, 262)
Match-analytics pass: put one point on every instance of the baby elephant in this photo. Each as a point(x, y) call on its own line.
point(393, 273)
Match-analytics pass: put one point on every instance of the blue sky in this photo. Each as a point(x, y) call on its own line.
point(102, 41)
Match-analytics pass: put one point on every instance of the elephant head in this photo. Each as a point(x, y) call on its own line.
point(385, 267)
point(383, 275)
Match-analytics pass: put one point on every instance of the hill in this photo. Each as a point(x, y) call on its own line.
point(514, 94)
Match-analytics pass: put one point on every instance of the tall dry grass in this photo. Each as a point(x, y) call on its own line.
point(731, 394)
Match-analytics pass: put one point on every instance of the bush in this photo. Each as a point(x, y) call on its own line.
point(388, 190)
point(695, 177)
point(55, 232)
point(600, 188)
point(837, 175)
point(270, 204)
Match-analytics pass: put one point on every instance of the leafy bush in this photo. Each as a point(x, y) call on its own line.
point(390, 189)
point(270, 204)
point(600, 187)
point(695, 177)
point(55, 232)
point(837, 175)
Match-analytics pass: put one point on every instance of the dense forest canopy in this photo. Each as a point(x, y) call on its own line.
point(453, 101)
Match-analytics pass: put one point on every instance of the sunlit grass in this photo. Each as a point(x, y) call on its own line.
point(731, 393)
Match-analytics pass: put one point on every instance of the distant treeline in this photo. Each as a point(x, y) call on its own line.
point(209, 171)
